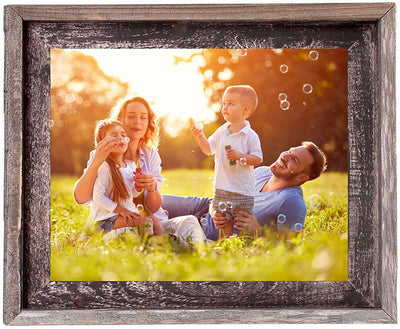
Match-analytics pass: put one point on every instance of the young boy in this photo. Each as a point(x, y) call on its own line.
point(237, 150)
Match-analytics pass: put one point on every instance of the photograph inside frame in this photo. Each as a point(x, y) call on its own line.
point(199, 165)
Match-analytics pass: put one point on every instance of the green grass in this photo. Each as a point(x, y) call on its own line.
point(321, 256)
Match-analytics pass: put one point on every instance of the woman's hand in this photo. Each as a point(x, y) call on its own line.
point(103, 149)
point(244, 220)
point(220, 220)
point(144, 181)
point(129, 216)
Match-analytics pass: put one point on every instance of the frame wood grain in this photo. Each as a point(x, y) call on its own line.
point(366, 30)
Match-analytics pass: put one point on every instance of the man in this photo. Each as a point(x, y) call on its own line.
point(278, 200)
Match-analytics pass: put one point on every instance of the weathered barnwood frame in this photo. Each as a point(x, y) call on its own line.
point(365, 29)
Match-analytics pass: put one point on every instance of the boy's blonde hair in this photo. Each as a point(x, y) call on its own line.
point(247, 93)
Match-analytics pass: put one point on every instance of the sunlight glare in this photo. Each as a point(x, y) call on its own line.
point(173, 90)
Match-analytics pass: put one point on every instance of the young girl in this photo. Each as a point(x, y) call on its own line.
point(114, 188)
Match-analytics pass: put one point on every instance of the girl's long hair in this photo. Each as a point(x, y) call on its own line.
point(151, 137)
point(119, 190)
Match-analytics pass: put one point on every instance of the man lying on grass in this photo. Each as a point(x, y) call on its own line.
point(278, 200)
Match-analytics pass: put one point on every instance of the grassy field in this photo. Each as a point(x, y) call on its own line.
point(321, 256)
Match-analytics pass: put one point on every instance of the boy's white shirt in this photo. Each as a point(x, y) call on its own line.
point(234, 178)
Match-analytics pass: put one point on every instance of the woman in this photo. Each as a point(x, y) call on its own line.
point(141, 127)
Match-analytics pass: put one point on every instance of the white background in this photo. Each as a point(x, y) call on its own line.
point(109, 2)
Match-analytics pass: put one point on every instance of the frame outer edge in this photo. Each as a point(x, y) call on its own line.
point(204, 316)
point(387, 162)
point(13, 29)
point(212, 12)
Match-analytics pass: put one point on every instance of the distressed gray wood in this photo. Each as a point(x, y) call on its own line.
point(387, 172)
point(13, 166)
point(36, 165)
point(340, 12)
point(369, 293)
point(363, 148)
point(182, 316)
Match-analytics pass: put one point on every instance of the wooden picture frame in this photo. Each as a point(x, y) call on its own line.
point(367, 30)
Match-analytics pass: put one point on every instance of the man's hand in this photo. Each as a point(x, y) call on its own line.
point(220, 220)
point(244, 220)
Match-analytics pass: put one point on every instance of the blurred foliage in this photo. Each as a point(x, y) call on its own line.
point(320, 116)
point(81, 94)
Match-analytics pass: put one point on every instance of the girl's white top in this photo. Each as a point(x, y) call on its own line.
point(150, 162)
point(102, 206)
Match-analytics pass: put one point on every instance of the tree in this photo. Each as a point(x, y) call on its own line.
point(318, 115)
point(81, 93)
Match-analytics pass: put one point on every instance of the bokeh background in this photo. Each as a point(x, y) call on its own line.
point(187, 85)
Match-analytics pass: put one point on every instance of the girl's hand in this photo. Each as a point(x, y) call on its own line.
point(144, 181)
point(220, 220)
point(103, 148)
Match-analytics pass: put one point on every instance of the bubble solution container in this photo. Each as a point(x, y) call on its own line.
point(138, 172)
point(231, 161)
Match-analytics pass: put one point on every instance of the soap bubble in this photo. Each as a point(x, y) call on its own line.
point(284, 68)
point(140, 207)
point(307, 88)
point(242, 52)
point(165, 182)
point(314, 202)
point(125, 139)
point(243, 161)
point(222, 206)
point(204, 220)
point(198, 126)
point(285, 105)
point(229, 205)
point(298, 227)
point(313, 55)
point(69, 98)
point(281, 218)
point(282, 97)
point(51, 123)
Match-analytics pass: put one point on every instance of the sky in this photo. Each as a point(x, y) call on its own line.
point(176, 90)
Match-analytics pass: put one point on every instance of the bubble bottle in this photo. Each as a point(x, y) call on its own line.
point(138, 172)
point(231, 161)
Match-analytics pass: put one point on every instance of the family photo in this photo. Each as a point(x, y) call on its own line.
point(199, 165)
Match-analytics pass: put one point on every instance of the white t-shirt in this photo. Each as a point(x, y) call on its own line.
point(234, 178)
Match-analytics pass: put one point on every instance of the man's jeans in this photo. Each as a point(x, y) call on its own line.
point(198, 207)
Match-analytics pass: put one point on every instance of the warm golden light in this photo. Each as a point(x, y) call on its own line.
point(173, 89)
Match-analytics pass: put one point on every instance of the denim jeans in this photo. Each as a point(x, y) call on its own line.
point(198, 207)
